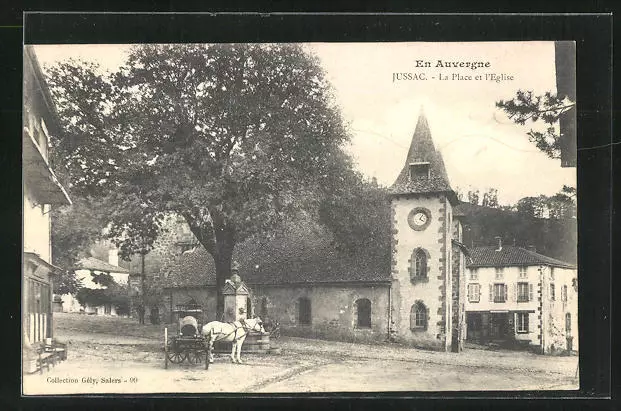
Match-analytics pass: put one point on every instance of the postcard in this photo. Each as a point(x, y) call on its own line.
point(299, 218)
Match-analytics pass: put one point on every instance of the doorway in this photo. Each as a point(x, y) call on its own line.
point(499, 326)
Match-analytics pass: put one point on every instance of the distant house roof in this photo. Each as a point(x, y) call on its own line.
point(422, 150)
point(285, 259)
point(95, 264)
point(510, 256)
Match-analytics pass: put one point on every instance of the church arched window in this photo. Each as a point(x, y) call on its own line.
point(363, 313)
point(418, 264)
point(418, 316)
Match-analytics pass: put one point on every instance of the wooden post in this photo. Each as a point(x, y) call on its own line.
point(166, 347)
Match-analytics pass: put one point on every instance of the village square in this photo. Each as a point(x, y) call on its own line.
point(193, 223)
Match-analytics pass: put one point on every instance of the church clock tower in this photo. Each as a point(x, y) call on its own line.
point(423, 280)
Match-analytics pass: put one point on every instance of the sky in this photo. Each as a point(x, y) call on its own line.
point(481, 147)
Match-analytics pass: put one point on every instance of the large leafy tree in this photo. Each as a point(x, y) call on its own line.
point(234, 138)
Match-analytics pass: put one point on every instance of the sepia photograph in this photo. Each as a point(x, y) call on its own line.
point(299, 218)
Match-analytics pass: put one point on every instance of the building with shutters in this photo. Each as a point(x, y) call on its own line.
point(518, 297)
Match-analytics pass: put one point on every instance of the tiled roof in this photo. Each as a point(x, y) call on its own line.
point(287, 258)
point(92, 263)
point(422, 149)
point(511, 256)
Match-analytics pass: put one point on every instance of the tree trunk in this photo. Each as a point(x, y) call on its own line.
point(218, 239)
point(223, 260)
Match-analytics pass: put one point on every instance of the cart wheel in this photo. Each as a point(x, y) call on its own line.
point(176, 357)
point(195, 356)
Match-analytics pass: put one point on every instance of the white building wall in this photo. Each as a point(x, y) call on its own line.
point(36, 226)
point(556, 307)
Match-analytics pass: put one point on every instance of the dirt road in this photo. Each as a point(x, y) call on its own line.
point(115, 355)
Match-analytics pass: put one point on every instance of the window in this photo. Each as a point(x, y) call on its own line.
point(568, 323)
point(552, 273)
point(523, 272)
point(498, 293)
point(564, 293)
point(552, 292)
point(418, 316)
point(419, 170)
point(418, 264)
point(474, 274)
point(499, 273)
point(304, 311)
point(363, 313)
point(524, 292)
point(521, 323)
point(474, 293)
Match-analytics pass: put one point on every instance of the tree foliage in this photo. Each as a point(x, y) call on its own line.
point(232, 137)
point(561, 205)
point(74, 228)
point(548, 108)
point(358, 213)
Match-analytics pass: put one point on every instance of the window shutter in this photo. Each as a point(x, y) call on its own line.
point(530, 292)
point(478, 293)
point(491, 292)
point(514, 286)
point(506, 288)
point(516, 318)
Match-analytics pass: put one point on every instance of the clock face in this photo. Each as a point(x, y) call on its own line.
point(419, 218)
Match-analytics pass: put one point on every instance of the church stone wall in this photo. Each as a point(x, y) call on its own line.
point(432, 292)
point(333, 310)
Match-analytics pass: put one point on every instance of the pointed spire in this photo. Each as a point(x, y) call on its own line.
point(423, 171)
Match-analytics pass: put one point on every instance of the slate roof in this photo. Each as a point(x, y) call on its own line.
point(511, 256)
point(284, 259)
point(92, 263)
point(422, 149)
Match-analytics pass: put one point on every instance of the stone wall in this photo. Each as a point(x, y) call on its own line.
point(333, 310)
point(458, 291)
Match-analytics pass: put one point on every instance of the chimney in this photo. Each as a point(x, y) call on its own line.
point(499, 243)
point(113, 257)
point(531, 248)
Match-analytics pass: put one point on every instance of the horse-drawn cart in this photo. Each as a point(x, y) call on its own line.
point(189, 343)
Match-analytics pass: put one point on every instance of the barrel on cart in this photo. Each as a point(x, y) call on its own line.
point(187, 344)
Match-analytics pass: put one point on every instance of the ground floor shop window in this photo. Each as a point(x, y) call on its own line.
point(521, 323)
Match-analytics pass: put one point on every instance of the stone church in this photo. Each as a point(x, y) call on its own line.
point(427, 267)
point(425, 292)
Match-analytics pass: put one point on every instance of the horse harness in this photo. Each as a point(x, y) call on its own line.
point(237, 326)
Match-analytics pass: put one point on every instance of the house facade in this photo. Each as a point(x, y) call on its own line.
point(518, 297)
point(86, 269)
point(41, 191)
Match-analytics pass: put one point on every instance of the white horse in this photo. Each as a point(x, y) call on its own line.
point(235, 332)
